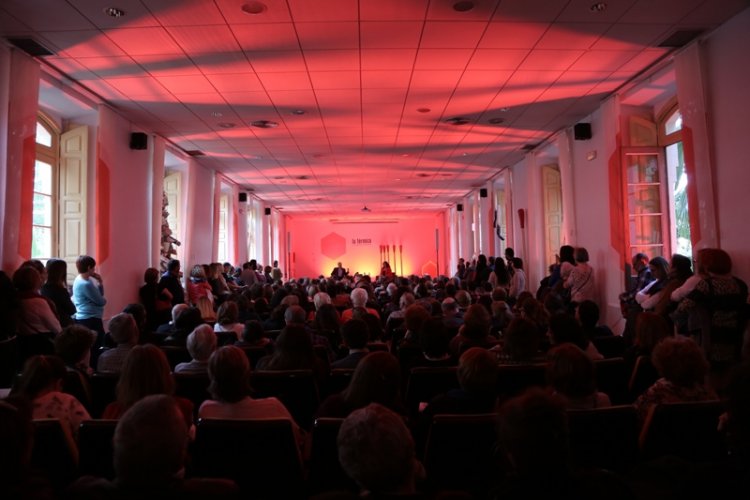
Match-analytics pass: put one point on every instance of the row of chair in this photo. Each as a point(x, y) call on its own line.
point(460, 452)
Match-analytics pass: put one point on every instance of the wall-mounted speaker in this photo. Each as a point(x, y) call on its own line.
point(268, 210)
point(243, 197)
point(138, 140)
point(582, 131)
point(483, 193)
point(460, 207)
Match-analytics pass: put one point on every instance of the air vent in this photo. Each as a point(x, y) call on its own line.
point(31, 47)
point(264, 124)
point(458, 120)
point(680, 38)
point(195, 152)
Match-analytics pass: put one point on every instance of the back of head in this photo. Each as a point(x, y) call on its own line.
point(477, 322)
point(434, 338)
point(463, 298)
point(150, 443)
point(320, 299)
point(295, 315)
point(680, 361)
point(138, 312)
point(188, 319)
point(522, 339)
point(588, 313)
point(570, 372)
point(173, 265)
point(377, 451)
point(355, 333)
point(201, 343)
point(406, 300)
point(564, 328)
point(567, 254)
point(228, 313)
point(376, 379)
point(293, 346)
point(477, 371)
point(57, 270)
point(715, 261)
point(533, 434)
point(39, 373)
point(229, 372)
point(449, 306)
point(74, 343)
point(123, 329)
point(253, 331)
point(582, 255)
point(681, 266)
point(359, 297)
point(145, 371)
point(177, 310)
point(84, 263)
point(415, 316)
point(150, 275)
point(27, 279)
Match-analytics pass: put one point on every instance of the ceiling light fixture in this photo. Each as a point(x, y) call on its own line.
point(254, 8)
point(264, 124)
point(463, 6)
point(458, 120)
point(114, 12)
point(217, 114)
point(598, 7)
point(298, 111)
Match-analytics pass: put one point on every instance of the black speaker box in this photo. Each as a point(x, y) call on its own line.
point(268, 210)
point(243, 197)
point(460, 207)
point(138, 140)
point(582, 131)
point(483, 193)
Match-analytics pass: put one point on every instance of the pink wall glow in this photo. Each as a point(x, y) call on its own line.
point(319, 244)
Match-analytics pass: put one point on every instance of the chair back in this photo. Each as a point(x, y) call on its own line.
point(95, 445)
point(612, 378)
point(460, 453)
point(297, 389)
point(604, 438)
point(9, 361)
point(338, 380)
point(192, 386)
point(610, 346)
point(176, 355)
point(512, 380)
point(54, 452)
point(644, 376)
point(687, 430)
point(260, 455)
point(254, 353)
point(426, 382)
point(103, 391)
point(326, 473)
point(76, 384)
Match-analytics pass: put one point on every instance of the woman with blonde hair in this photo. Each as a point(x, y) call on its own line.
point(200, 294)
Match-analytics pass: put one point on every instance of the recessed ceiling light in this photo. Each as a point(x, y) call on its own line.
point(114, 12)
point(217, 114)
point(458, 120)
point(254, 8)
point(264, 124)
point(464, 154)
point(598, 7)
point(424, 110)
point(227, 125)
point(405, 155)
point(463, 6)
point(496, 121)
point(298, 111)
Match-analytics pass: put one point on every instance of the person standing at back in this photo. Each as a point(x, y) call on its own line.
point(170, 280)
point(88, 297)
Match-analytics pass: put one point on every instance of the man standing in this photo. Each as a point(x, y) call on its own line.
point(339, 272)
point(629, 307)
point(170, 280)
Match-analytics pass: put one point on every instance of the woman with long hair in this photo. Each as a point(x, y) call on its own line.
point(56, 290)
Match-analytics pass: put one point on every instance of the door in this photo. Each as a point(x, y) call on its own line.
point(72, 197)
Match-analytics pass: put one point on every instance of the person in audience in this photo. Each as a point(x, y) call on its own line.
point(165, 329)
point(41, 384)
point(564, 328)
point(56, 290)
point(499, 277)
point(124, 331)
point(355, 340)
point(475, 331)
point(570, 373)
point(199, 293)
point(200, 344)
point(158, 302)
point(187, 320)
point(521, 345)
point(628, 305)
point(377, 451)
point(450, 311)
point(276, 274)
point(171, 281)
point(215, 277)
point(477, 379)
point(254, 336)
point(377, 379)
point(229, 375)
point(145, 372)
point(88, 297)
point(294, 351)
point(227, 320)
point(534, 311)
point(650, 295)
point(434, 340)
point(587, 313)
point(581, 278)
point(150, 455)
point(396, 318)
point(295, 315)
point(683, 369)
point(414, 317)
point(73, 346)
point(359, 299)
point(680, 270)
point(36, 314)
point(562, 269)
point(517, 279)
point(650, 329)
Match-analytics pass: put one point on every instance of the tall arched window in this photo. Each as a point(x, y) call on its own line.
point(44, 215)
point(670, 138)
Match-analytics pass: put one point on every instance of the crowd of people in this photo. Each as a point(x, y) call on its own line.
point(688, 323)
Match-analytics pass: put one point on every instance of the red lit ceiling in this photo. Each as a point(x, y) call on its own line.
point(362, 91)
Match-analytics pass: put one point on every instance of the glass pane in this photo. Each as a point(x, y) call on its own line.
point(642, 169)
point(42, 177)
point(644, 199)
point(651, 251)
point(674, 123)
point(681, 213)
point(42, 136)
point(42, 211)
point(41, 242)
point(645, 230)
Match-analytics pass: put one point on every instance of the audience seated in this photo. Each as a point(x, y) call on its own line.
point(475, 331)
point(521, 343)
point(564, 328)
point(200, 344)
point(253, 336)
point(56, 290)
point(355, 340)
point(228, 319)
point(187, 320)
point(294, 351)
point(36, 314)
point(570, 373)
point(73, 345)
point(359, 298)
point(158, 302)
point(587, 313)
point(124, 331)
